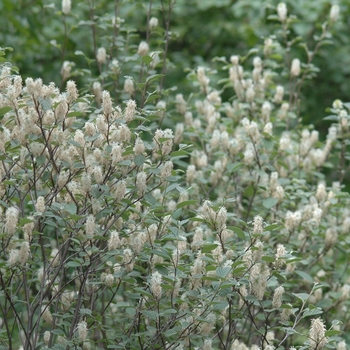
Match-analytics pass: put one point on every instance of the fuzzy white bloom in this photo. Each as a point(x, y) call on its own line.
point(278, 98)
point(40, 205)
point(250, 94)
point(114, 241)
point(190, 173)
point(24, 252)
point(28, 229)
point(66, 7)
point(277, 297)
point(258, 225)
point(106, 103)
point(114, 66)
point(341, 345)
point(82, 330)
point(66, 69)
point(156, 285)
point(234, 60)
point(46, 314)
point(97, 90)
point(166, 169)
point(180, 104)
point(208, 212)
point(11, 220)
point(143, 48)
point(72, 91)
point(295, 67)
point(101, 55)
point(13, 257)
point(259, 275)
point(337, 104)
point(98, 176)
point(54, 257)
point(128, 260)
point(292, 220)
point(248, 156)
point(207, 344)
point(282, 11)
point(334, 13)
point(139, 147)
point(285, 313)
point(153, 22)
point(90, 225)
point(317, 334)
point(221, 218)
point(120, 190)
point(46, 337)
point(202, 78)
point(141, 179)
point(130, 110)
point(129, 86)
point(265, 111)
point(280, 251)
point(109, 280)
point(268, 46)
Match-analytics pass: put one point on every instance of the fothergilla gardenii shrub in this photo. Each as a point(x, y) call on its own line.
point(155, 220)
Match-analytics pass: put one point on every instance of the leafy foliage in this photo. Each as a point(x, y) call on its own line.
point(135, 216)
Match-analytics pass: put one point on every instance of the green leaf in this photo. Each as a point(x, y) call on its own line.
point(307, 312)
point(305, 276)
point(302, 296)
point(147, 59)
point(170, 311)
point(57, 331)
point(24, 221)
point(45, 103)
point(332, 332)
point(139, 160)
point(222, 272)
point(207, 248)
point(238, 231)
point(73, 264)
point(154, 77)
point(85, 311)
point(5, 110)
point(71, 208)
point(268, 258)
point(272, 227)
point(269, 202)
point(153, 315)
point(185, 203)
point(74, 114)
point(150, 199)
point(40, 160)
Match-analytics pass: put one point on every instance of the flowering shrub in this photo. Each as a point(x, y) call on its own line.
point(219, 230)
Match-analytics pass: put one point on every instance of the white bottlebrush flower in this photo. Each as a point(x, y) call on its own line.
point(143, 48)
point(11, 220)
point(334, 13)
point(295, 67)
point(82, 330)
point(40, 205)
point(153, 22)
point(317, 334)
point(66, 7)
point(156, 285)
point(282, 11)
point(101, 55)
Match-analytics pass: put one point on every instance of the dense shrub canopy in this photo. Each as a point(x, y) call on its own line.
point(144, 210)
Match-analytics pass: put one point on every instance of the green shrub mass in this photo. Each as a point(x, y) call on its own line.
point(170, 178)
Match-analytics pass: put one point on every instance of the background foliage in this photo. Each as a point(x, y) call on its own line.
point(230, 27)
